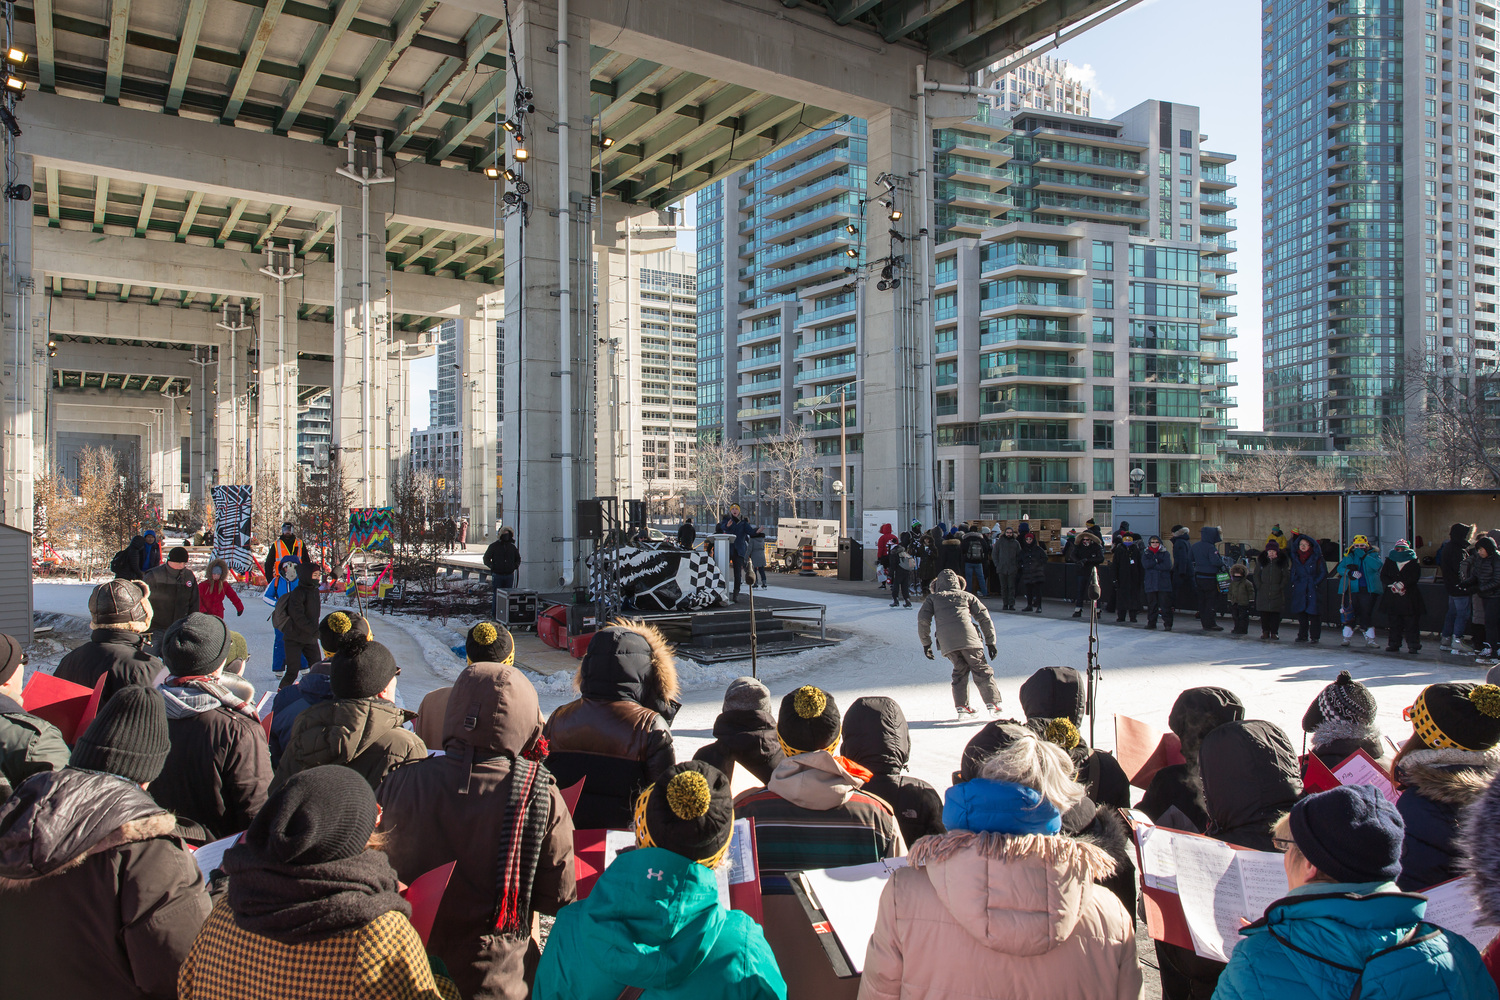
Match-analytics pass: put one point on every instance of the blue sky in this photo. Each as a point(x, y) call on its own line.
point(1168, 50)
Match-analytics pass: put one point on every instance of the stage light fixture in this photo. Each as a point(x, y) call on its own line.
point(895, 282)
point(852, 252)
point(508, 125)
point(511, 198)
point(511, 175)
point(524, 94)
point(895, 215)
point(18, 192)
point(492, 172)
point(606, 142)
point(14, 83)
point(16, 57)
point(882, 284)
point(521, 155)
point(851, 229)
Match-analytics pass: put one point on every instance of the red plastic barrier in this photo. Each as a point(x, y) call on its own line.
point(552, 626)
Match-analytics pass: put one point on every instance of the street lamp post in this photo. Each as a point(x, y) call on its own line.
point(1137, 477)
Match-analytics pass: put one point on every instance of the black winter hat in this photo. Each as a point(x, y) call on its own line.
point(195, 645)
point(1461, 716)
point(128, 737)
point(809, 721)
point(11, 657)
point(1053, 693)
point(339, 627)
point(120, 603)
point(177, 554)
point(1345, 700)
point(1199, 711)
point(690, 811)
point(320, 815)
point(361, 669)
point(990, 740)
point(489, 642)
point(1351, 833)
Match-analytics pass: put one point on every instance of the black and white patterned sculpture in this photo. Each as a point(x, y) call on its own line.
point(660, 579)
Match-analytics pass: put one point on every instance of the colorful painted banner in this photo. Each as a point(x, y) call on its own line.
point(232, 526)
point(370, 529)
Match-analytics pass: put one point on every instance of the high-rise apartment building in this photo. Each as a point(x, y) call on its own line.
point(315, 437)
point(1080, 311)
point(1379, 208)
point(1043, 84)
point(646, 388)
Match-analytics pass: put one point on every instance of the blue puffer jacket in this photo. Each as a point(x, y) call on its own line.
point(290, 702)
point(1333, 925)
point(1158, 570)
point(1307, 578)
point(1206, 558)
point(1367, 563)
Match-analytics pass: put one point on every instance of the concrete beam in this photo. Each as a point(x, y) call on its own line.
point(118, 359)
point(157, 263)
point(148, 148)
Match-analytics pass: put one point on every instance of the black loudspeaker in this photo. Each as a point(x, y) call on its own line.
point(637, 514)
point(590, 522)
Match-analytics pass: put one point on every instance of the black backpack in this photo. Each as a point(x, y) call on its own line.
point(974, 550)
point(120, 564)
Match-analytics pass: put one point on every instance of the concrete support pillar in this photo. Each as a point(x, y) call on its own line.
point(279, 375)
point(533, 448)
point(200, 428)
point(361, 315)
point(17, 370)
point(233, 419)
point(888, 396)
point(477, 418)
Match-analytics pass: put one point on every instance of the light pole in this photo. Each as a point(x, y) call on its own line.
point(839, 486)
point(1137, 477)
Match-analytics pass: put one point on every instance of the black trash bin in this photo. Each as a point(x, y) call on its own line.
point(851, 559)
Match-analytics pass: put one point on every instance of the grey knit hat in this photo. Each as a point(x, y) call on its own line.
point(128, 737)
point(746, 694)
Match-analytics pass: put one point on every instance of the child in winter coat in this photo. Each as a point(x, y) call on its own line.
point(1402, 599)
point(1359, 583)
point(1241, 596)
point(284, 582)
point(213, 591)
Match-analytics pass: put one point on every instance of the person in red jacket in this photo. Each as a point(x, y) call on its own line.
point(215, 589)
point(883, 550)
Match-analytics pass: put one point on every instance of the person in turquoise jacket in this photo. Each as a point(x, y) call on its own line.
point(653, 920)
point(1344, 929)
point(1359, 588)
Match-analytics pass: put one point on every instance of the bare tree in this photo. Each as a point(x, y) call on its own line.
point(322, 514)
point(266, 515)
point(417, 505)
point(1457, 417)
point(720, 467)
point(794, 471)
point(1275, 470)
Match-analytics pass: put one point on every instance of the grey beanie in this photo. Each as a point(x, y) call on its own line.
point(746, 694)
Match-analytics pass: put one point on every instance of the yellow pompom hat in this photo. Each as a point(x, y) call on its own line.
point(689, 811)
point(489, 642)
point(339, 627)
point(1457, 716)
point(809, 721)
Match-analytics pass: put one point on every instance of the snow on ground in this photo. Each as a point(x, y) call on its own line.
point(1143, 671)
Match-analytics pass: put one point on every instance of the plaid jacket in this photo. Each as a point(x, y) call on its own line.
point(383, 960)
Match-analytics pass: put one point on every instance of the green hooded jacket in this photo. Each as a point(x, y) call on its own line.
point(653, 920)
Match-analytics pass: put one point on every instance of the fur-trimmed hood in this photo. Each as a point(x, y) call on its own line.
point(57, 819)
point(1019, 895)
point(1480, 849)
point(648, 681)
point(1452, 777)
point(208, 573)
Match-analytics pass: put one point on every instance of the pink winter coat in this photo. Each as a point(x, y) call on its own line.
point(1000, 916)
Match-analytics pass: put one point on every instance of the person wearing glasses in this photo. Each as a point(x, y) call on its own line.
point(27, 744)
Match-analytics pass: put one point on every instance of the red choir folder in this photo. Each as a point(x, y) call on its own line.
point(425, 894)
point(60, 702)
point(572, 794)
point(1142, 750)
point(1316, 777)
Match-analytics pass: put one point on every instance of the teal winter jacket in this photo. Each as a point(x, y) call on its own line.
point(1367, 565)
point(1311, 944)
point(653, 920)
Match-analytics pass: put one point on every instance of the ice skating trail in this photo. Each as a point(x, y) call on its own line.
point(1143, 671)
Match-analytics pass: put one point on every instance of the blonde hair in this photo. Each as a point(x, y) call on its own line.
point(1037, 764)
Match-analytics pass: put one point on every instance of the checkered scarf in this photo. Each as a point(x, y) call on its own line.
point(526, 818)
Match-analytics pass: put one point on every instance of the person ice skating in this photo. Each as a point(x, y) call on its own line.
point(1033, 561)
point(313, 907)
point(1444, 767)
point(1005, 552)
point(98, 896)
point(618, 733)
point(813, 809)
point(1402, 600)
point(955, 614)
point(288, 546)
point(1241, 595)
point(1207, 563)
point(1004, 897)
point(653, 922)
point(488, 803)
point(119, 619)
point(1156, 564)
point(876, 738)
point(216, 588)
point(744, 732)
point(1360, 588)
point(1273, 586)
point(1305, 599)
point(1344, 929)
point(1342, 722)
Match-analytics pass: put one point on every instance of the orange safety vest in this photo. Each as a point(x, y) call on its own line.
point(297, 549)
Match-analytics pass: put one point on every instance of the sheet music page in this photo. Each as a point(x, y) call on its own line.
point(1360, 770)
point(741, 858)
point(1263, 878)
point(1158, 863)
point(850, 897)
point(1450, 906)
point(211, 855)
point(1213, 899)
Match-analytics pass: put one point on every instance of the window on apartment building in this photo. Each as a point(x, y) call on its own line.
point(1185, 164)
point(1185, 233)
point(1104, 475)
point(1185, 210)
point(1429, 108)
point(1185, 189)
point(1185, 138)
point(1104, 364)
point(1104, 294)
point(1104, 435)
point(1104, 330)
point(1104, 399)
point(1431, 86)
point(1104, 255)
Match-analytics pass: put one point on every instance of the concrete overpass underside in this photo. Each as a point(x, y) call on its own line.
point(239, 204)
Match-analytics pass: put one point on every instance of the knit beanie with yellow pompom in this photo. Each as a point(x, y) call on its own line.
point(689, 811)
point(488, 642)
point(338, 628)
point(1459, 716)
point(1063, 733)
point(808, 722)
